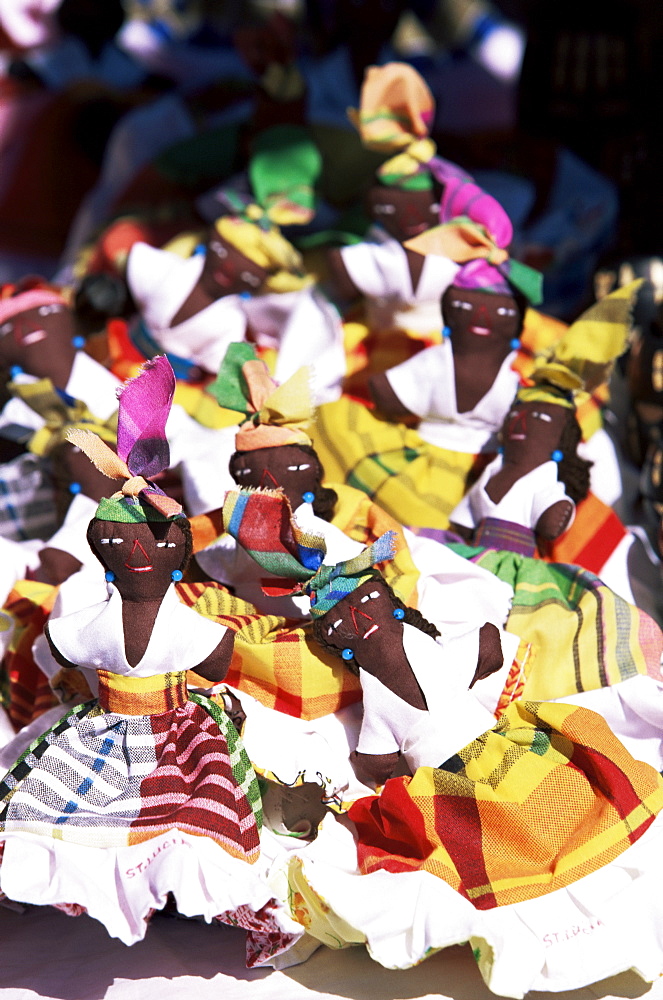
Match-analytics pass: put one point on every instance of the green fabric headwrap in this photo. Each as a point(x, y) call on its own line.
point(284, 166)
point(127, 511)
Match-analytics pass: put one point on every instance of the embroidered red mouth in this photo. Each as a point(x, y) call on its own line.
point(138, 550)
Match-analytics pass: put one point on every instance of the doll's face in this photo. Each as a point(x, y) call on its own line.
point(227, 271)
point(476, 317)
point(533, 430)
point(32, 338)
point(288, 466)
point(141, 555)
point(363, 622)
point(403, 214)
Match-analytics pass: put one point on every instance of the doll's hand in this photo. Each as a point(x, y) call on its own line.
point(55, 566)
point(555, 520)
point(232, 706)
point(374, 768)
point(215, 667)
point(387, 401)
point(491, 656)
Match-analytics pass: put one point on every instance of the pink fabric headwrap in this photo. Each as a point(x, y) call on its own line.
point(481, 274)
point(28, 300)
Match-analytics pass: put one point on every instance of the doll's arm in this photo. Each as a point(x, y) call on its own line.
point(555, 520)
point(215, 666)
point(342, 288)
point(374, 768)
point(491, 656)
point(386, 399)
point(57, 655)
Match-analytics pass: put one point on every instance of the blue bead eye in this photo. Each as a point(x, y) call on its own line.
point(557, 455)
point(399, 614)
point(347, 653)
point(308, 497)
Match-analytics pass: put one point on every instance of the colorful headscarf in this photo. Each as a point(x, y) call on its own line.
point(278, 414)
point(487, 263)
point(261, 521)
point(284, 166)
point(12, 304)
point(395, 114)
point(142, 446)
point(584, 357)
point(257, 238)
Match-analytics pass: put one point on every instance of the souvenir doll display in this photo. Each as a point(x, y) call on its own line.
point(530, 490)
point(432, 840)
point(145, 790)
point(247, 282)
point(415, 189)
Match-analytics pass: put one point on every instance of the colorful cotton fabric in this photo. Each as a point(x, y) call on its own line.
point(599, 639)
point(105, 779)
point(543, 799)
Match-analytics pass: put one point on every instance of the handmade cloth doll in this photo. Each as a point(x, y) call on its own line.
point(145, 790)
point(549, 780)
point(249, 283)
point(272, 450)
point(415, 190)
point(530, 490)
point(38, 340)
point(262, 522)
point(419, 475)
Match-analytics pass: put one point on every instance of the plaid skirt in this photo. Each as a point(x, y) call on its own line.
point(106, 779)
point(543, 799)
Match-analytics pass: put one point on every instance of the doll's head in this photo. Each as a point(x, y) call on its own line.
point(404, 212)
point(366, 622)
point(228, 271)
point(481, 308)
point(246, 254)
point(295, 468)
point(139, 548)
point(542, 425)
point(37, 331)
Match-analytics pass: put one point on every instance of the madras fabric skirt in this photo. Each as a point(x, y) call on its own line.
point(582, 635)
point(105, 779)
point(547, 796)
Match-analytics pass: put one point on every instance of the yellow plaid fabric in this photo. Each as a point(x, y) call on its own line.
point(129, 695)
point(483, 821)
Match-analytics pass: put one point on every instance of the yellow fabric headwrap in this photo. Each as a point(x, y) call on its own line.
point(592, 344)
point(395, 113)
point(267, 248)
point(281, 413)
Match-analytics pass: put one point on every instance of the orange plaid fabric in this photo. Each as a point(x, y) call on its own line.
point(128, 695)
